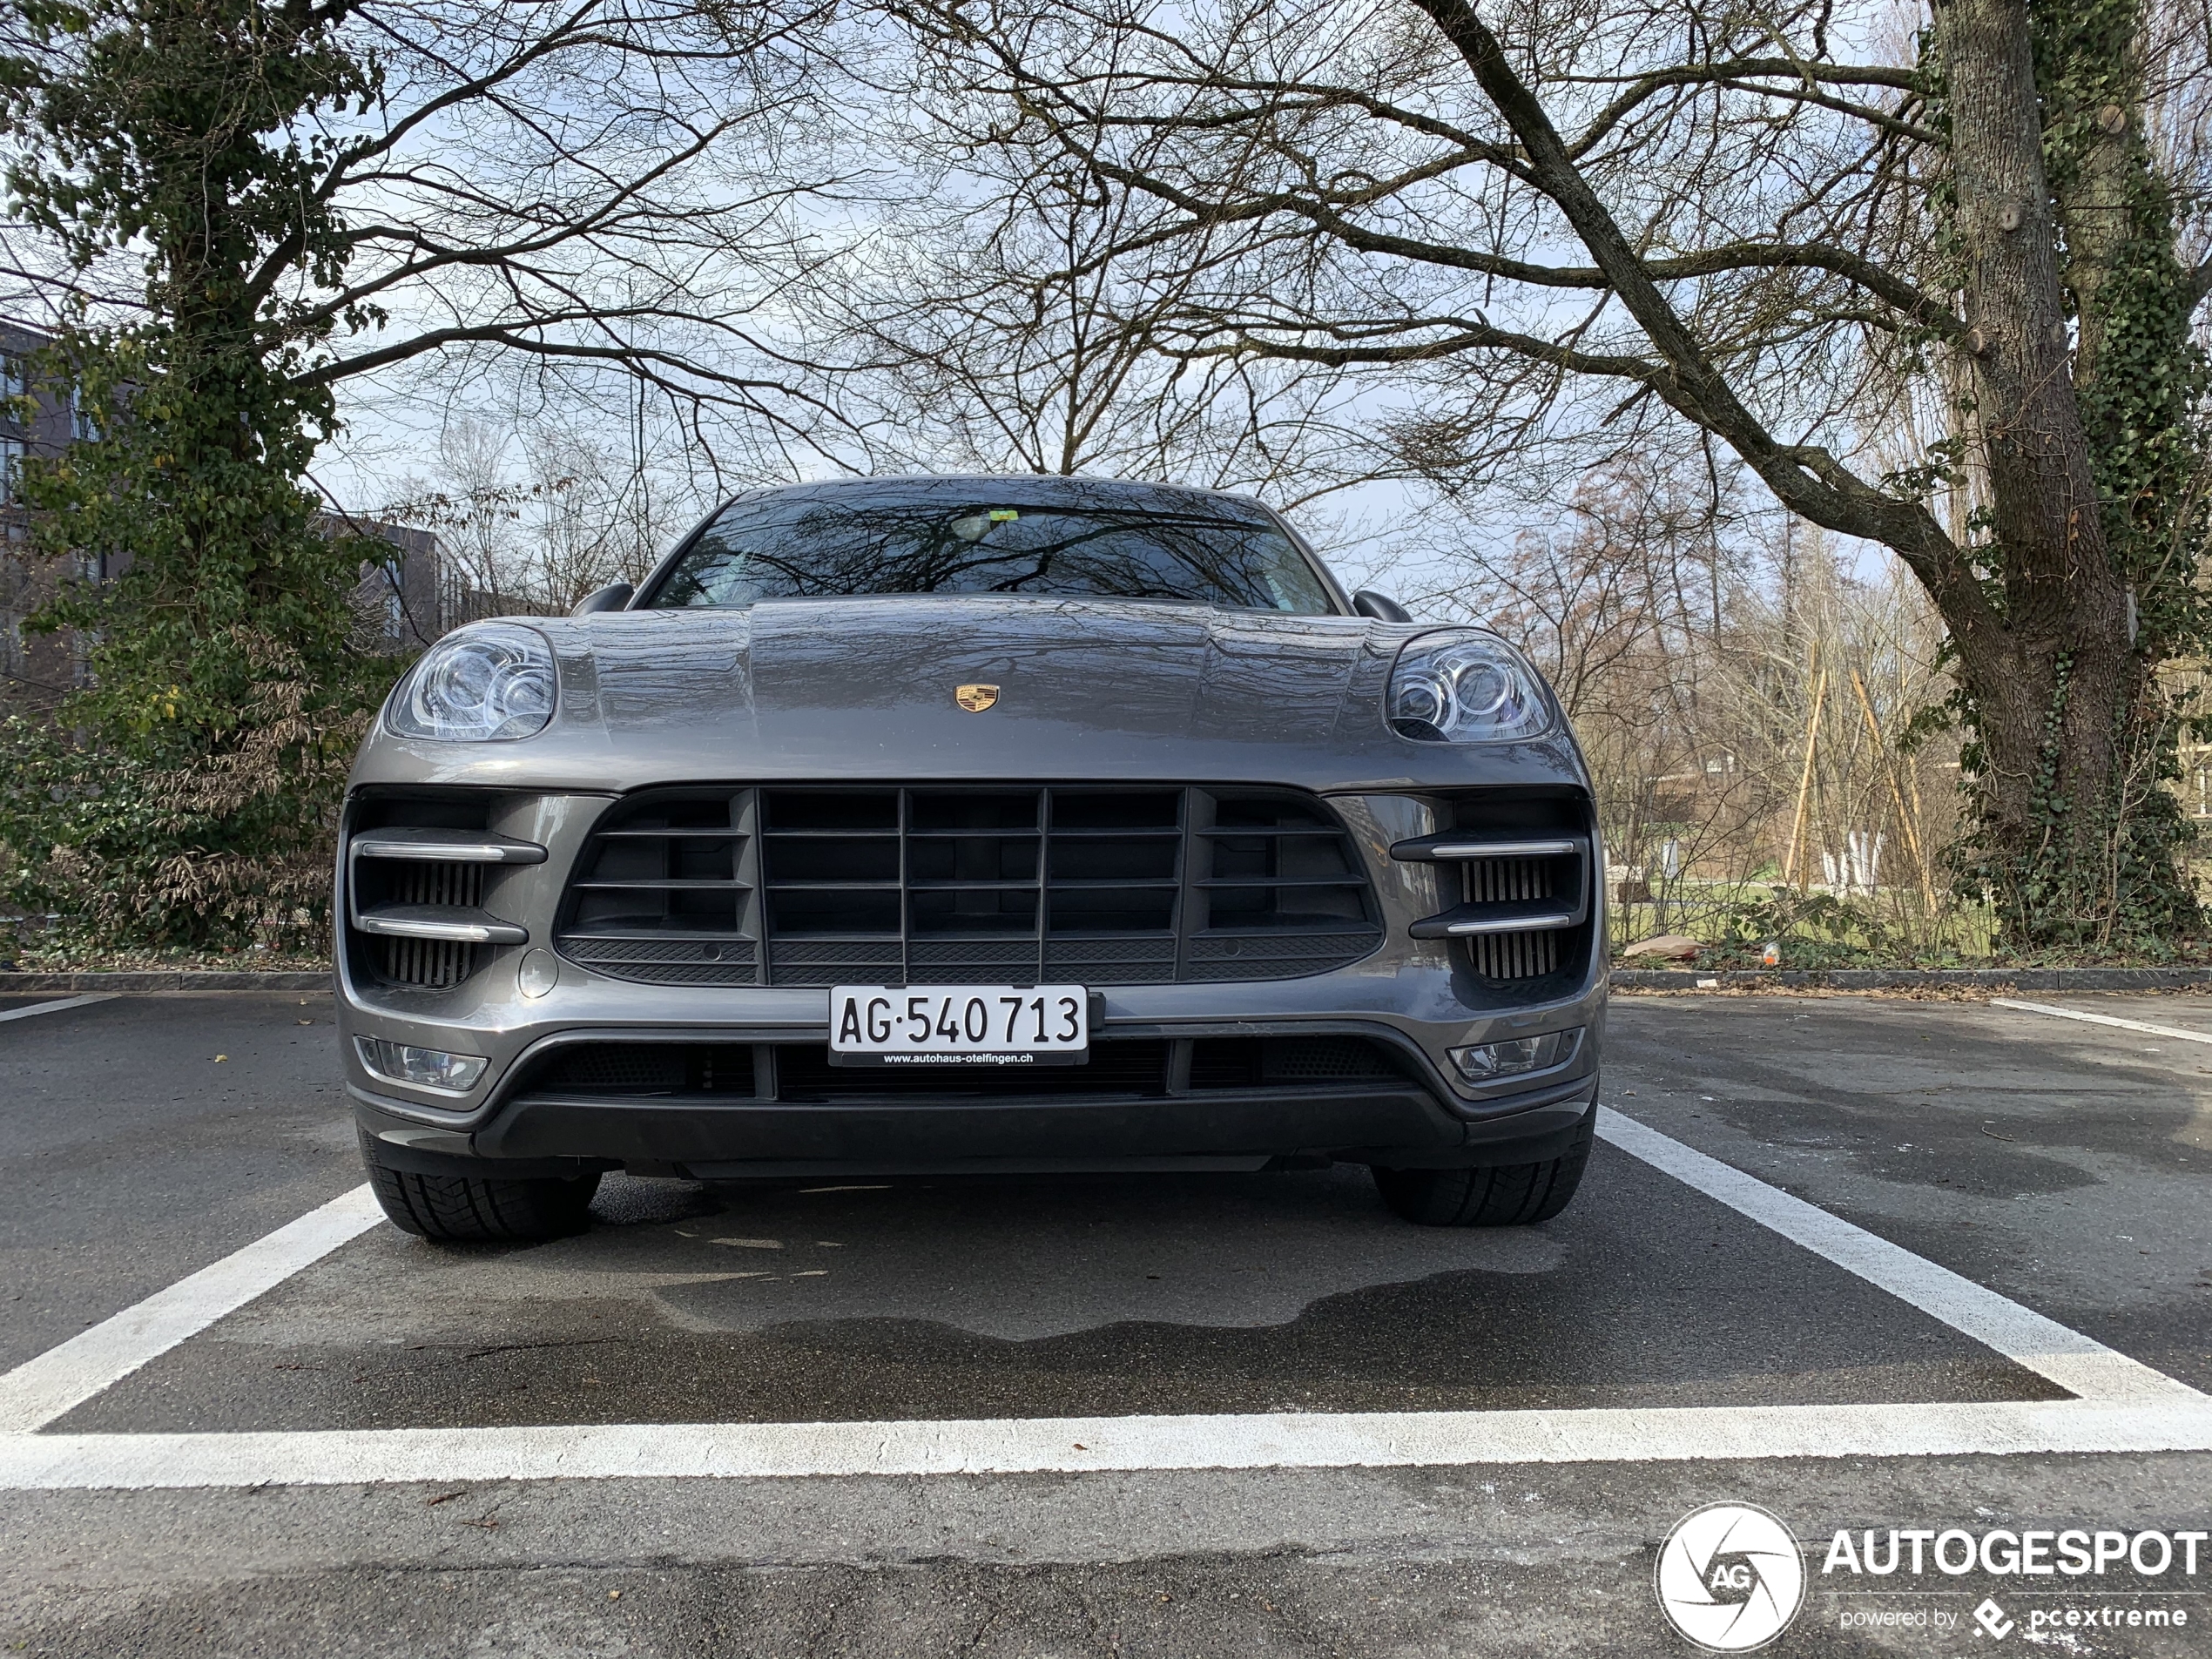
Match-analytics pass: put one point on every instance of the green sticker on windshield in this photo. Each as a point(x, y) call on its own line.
point(1003, 514)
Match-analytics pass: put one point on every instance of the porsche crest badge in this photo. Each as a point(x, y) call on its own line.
point(975, 698)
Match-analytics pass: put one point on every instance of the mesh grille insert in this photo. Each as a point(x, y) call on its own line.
point(1252, 1062)
point(1128, 1067)
point(646, 1069)
point(1121, 1066)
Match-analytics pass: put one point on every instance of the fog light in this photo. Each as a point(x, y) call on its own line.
point(403, 1063)
point(1487, 1062)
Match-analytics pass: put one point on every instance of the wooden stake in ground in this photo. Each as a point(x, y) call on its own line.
point(1790, 867)
point(1897, 795)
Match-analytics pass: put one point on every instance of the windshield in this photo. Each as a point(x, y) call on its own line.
point(818, 546)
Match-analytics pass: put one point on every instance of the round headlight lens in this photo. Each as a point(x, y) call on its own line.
point(1465, 688)
point(492, 680)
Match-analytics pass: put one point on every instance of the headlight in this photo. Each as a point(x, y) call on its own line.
point(1465, 688)
point(492, 680)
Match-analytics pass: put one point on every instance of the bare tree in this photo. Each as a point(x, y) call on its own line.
point(1605, 216)
point(592, 185)
point(1009, 317)
point(1740, 686)
point(534, 519)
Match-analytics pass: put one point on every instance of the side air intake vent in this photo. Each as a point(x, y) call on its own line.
point(1019, 883)
point(417, 872)
point(434, 962)
point(1523, 897)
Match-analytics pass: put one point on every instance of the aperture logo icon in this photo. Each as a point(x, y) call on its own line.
point(1731, 1577)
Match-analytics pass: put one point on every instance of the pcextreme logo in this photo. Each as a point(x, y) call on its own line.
point(1731, 1577)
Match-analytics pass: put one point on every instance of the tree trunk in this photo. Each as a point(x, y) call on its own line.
point(2054, 695)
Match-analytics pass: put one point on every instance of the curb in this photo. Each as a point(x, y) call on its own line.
point(187, 979)
point(1887, 979)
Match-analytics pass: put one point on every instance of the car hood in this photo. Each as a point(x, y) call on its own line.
point(865, 688)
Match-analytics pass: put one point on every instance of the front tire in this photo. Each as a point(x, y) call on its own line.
point(1509, 1195)
point(471, 1209)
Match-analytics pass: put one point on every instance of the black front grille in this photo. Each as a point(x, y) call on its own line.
point(939, 885)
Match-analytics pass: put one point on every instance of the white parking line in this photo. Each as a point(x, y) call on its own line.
point(2080, 1364)
point(1077, 1445)
point(41, 1389)
point(2174, 1031)
point(2124, 1406)
point(56, 1008)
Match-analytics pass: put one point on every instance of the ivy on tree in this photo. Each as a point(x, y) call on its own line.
point(184, 132)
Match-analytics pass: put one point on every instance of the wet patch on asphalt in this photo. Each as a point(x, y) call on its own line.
point(1072, 1298)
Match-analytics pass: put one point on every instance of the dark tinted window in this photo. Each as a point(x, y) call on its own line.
point(820, 546)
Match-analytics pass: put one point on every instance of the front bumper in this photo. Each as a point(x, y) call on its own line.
point(1412, 1118)
point(1412, 999)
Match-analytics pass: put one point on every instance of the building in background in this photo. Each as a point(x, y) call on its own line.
point(402, 602)
point(405, 600)
point(36, 670)
point(399, 600)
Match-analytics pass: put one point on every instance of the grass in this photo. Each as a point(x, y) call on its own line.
point(1892, 927)
point(45, 956)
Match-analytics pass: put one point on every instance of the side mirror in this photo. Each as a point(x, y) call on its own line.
point(1380, 606)
point(610, 598)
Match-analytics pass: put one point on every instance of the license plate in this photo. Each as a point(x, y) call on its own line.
point(959, 1025)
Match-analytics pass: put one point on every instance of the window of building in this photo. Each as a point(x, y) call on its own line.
point(11, 454)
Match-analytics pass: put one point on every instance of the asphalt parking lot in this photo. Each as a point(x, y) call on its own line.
point(1199, 1415)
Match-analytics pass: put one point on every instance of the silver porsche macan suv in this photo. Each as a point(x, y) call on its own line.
point(970, 825)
